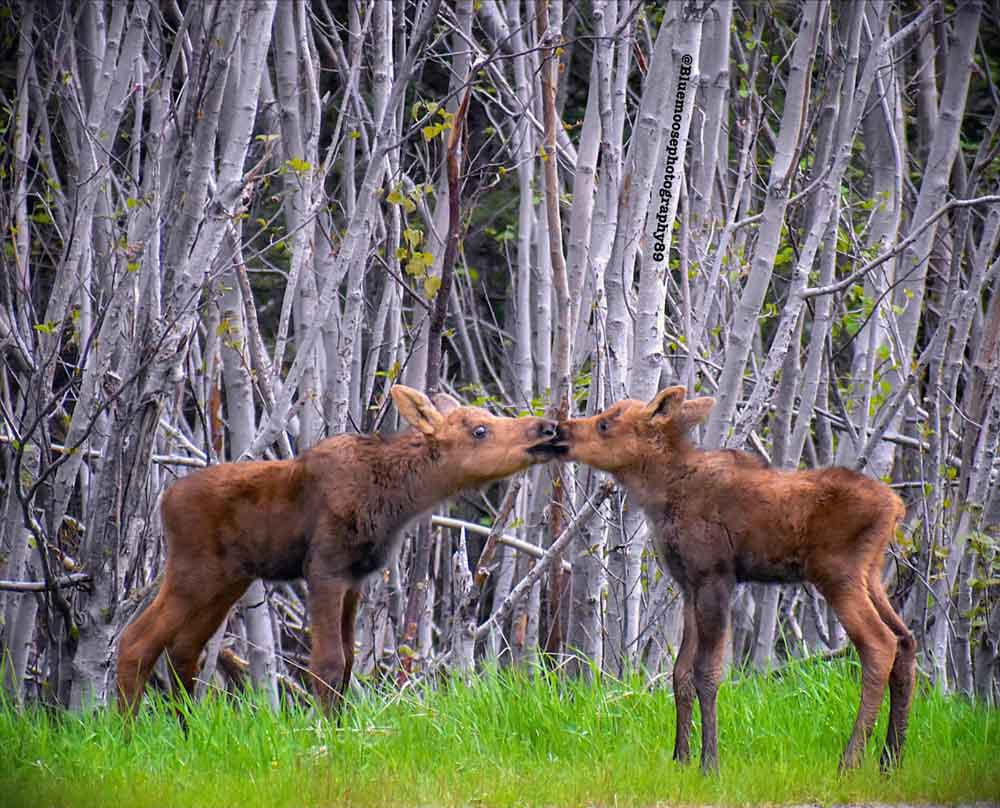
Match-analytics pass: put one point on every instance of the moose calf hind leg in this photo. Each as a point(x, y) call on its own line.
point(876, 646)
point(351, 601)
point(901, 676)
point(327, 666)
point(184, 650)
point(140, 646)
point(136, 657)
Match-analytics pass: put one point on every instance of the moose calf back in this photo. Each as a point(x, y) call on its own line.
point(785, 526)
point(239, 520)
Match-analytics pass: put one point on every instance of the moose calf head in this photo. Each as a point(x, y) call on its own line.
point(629, 432)
point(477, 446)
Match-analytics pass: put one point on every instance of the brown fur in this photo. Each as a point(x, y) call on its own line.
point(721, 517)
point(333, 515)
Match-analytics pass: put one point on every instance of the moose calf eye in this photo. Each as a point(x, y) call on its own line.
point(479, 432)
point(602, 426)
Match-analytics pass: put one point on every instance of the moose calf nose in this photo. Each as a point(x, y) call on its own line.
point(548, 429)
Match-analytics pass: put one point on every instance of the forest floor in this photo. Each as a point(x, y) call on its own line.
point(502, 740)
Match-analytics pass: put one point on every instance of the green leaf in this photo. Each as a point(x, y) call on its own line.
point(431, 285)
point(298, 165)
point(412, 237)
point(418, 264)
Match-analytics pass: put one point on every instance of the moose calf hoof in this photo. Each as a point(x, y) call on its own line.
point(888, 763)
point(850, 761)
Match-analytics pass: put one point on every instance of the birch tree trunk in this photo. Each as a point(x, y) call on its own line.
point(779, 183)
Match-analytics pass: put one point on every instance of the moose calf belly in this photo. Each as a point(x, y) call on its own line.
point(759, 568)
point(693, 550)
point(276, 560)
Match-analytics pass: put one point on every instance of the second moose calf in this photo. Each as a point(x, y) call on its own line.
point(333, 514)
point(721, 517)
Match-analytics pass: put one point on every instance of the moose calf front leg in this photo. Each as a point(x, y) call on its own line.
point(712, 618)
point(684, 682)
point(328, 662)
point(348, 621)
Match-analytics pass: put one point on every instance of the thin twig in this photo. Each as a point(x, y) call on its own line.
point(915, 233)
point(489, 548)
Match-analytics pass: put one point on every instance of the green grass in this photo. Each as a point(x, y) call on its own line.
point(502, 740)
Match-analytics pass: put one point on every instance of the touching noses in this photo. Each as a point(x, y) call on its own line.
point(548, 429)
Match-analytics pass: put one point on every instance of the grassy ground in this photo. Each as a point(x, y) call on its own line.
point(503, 740)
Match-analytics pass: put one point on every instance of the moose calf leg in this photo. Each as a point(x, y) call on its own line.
point(203, 618)
point(684, 682)
point(140, 646)
point(712, 615)
point(328, 662)
point(351, 601)
point(876, 646)
point(901, 677)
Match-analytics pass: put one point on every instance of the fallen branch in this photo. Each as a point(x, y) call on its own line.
point(94, 454)
point(503, 538)
point(76, 579)
point(237, 670)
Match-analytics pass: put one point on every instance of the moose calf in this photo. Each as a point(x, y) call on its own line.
point(333, 515)
point(721, 517)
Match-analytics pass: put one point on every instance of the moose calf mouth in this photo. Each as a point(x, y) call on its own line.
point(550, 448)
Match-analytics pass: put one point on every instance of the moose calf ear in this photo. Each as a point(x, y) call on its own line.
point(695, 411)
point(417, 409)
point(666, 403)
point(445, 403)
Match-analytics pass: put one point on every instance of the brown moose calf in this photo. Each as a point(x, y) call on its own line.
point(332, 514)
point(721, 517)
